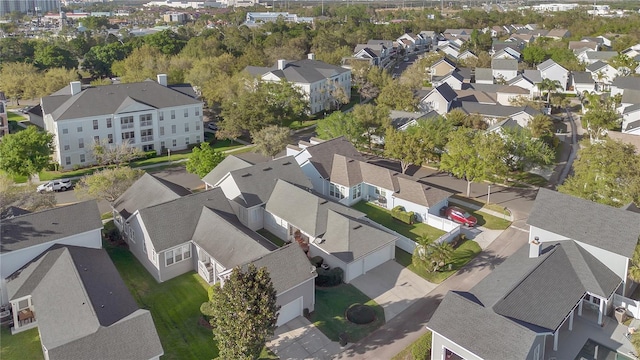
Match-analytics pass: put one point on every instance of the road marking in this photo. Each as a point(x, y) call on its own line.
point(521, 229)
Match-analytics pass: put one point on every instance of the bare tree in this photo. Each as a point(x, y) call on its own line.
point(106, 154)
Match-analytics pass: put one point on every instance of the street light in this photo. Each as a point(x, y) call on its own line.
point(488, 194)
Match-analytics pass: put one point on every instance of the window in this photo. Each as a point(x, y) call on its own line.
point(162, 146)
point(197, 125)
point(197, 111)
point(109, 124)
point(161, 130)
point(381, 192)
point(186, 127)
point(145, 120)
point(126, 122)
point(173, 114)
point(110, 137)
point(178, 254)
point(146, 135)
point(161, 115)
point(65, 131)
point(357, 191)
point(81, 143)
point(129, 135)
point(173, 129)
point(147, 147)
point(67, 160)
point(337, 191)
point(79, 129)
point(186, 112)
point(96, 139)
point(23, 304)
point(95, 124)
point(66, 146)
point(197, 139)
point(174, 143)
point(186, 141)
point(82, 158)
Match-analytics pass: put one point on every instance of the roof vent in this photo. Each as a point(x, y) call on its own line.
point(246, 175)
point(287, 163)
point(350, 160)
point(324, 202)
point(357, 227)
point(267, 168)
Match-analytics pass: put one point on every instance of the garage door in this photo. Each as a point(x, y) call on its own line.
point(377, 258)
point(290, 311)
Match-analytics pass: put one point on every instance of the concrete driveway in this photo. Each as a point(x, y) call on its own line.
point(299, 339)
point(393, 287)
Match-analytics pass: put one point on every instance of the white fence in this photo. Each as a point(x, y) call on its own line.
point(632, 306)
point(409, 245)
point(440, 223)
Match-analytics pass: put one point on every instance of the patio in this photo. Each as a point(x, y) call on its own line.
point(611, 334)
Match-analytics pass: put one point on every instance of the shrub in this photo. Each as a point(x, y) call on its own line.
point(317, 261)
point(343, 338)
point(406, 217)
point(360, 314)
point(421, 349)
point(330, 277)
point(150, 154)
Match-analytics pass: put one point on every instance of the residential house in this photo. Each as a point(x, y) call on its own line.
point(497, 31)
point(493, 114)
point(402, 120)
point(474, 94)
point(583, 44)
point(442, 67)
point(523, 82)
point(501, 126)
point(632, 51)
point(450, 49)
point(439, 99)
point(622, 83)
point(337, 233)
point(316, 79)
point(81, 306)
point(603, 74)
point(507, 94)
point(429, 37)
point(590, 57)
point(507, 53)
point(364, 54)
point(410, 42)
point(4, 119)
point(466, 54)
point(454, 79)
point(25, 236)
point(504, 69)
point(374, 54)
point(148, 115)
point(515, 44)
point(248, 188)
point(524, 38)
point(388, 44)
point(484, 76)
point(337, 170)
point(582, 81)
point(558, 34)
point(631, 119)
point(630, 97)
point(550, 295)
point(549, 69)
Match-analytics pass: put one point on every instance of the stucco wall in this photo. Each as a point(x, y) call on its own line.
point(307, 290)
point(178, 268)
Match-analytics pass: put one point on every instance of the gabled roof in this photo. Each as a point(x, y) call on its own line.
point(631, 108)
point(575, 45)
point(13, 211)
point(257, 181)
point(147, 191)
point(230, 163)
point(107, 99)
point(616, 230)
point(631, 96)
point(533, 75)
point(302, 71)
point(298, 269)
point(547, 64)
point(227, 240)
point(473, 95)
point(504, 64)
point(401, 118)
point(386, 43)
point(597, 66)
point(518, 79)
point(454, 74)
point(167, 230)
point(484, 74)
point(560, 33)
point(494, 110)
point(507, 123)
point(626, 82)
point(23, 231)
point(508, 89)
point(600, 55)
point(445, 60)
point(582, 77)
point(419, 193)
point(81, 290)
point(322, 154)
point(310, 212)
point(447, 93)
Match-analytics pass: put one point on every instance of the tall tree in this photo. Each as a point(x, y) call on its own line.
point(203, 159)
point(243, 313)
point(540, 125)
point(405, 147)
point(373, 119)
point(599, 121)
point(107, 184)
point(105, 153)
point(549, 86)
point(24, 197)
point(341, 124)
point(606, 172)
point(18, 80)
point(524, 151)
point(56, 78)
point(51, 56)
point(271, 140)
point(434, 135)
point(143, 63)
point(396, 96)
point(26, 152)
point(431, 256)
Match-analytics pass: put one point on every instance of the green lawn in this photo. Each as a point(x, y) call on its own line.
point(329, 313)
point(383, 217)
point(296, 125)
point(241, 150)
point(14, 116)
point(271, 237)
point(419, 350)
point(25, 345)
point(529, 178)
point(174, 305)
point(461, 256)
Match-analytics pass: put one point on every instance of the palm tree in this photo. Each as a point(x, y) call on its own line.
point(441, 255)
point(549, 86)
point(431, 256)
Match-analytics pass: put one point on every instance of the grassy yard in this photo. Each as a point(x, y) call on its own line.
point(331, 305)
point(527, 178)
point(14, 116)
point(296, 125)
point(461, 256)
point(242, 150)
point(271, 237)
point(419, 350)
point(25, 345)
point(383, 217)
point(174, 305)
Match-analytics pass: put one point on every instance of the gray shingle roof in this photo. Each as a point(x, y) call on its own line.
point(626, 82)
point(107, 99)
point(310, 211)
point(230, 163)
point(601, 55)
point(504, 64)
point(301, 71)
point(297, 270)
point(596, 66)
point(447, 92)
point(147, 191)
point(631, 96)
point(484, 74)
point(615, 230)
point(492, 110)
point(173, 223)
point(507, 123)
point(322, 154)
point(547, 64)
point(227, 240)
point(631, 108)
point(31, 229)
point(419, 193)
point(257, 181)
point(582, 77)
point(79, 289)
point(533, 75)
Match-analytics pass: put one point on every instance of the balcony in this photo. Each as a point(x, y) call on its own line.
point(24, 320)
point(146, 138)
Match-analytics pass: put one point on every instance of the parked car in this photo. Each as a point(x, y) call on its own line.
point(460, 216)
point(25, 109)
point(212, 126)
point(55, 185)
point(406, 58)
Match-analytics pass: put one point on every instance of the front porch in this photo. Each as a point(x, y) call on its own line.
point(23, 315)
point(208, 269)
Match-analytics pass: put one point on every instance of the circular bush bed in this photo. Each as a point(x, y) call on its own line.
point(360, 314)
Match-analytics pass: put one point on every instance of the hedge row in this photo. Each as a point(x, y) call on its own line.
point(406, 217)
point(330, 277)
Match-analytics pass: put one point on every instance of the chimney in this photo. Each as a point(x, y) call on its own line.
point(311, 56)
point(76, 87)
point(534, 247)
point(281, 64)
point(162, 79)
